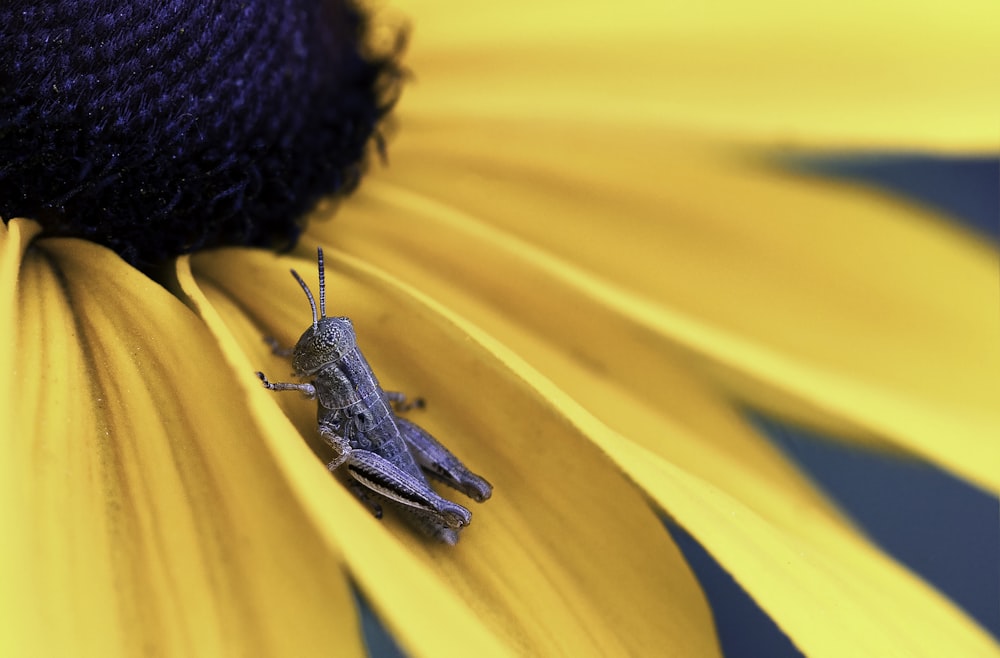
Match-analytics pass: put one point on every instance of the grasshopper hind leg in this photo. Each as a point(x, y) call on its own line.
point(429, 524)
point(389, 481)
point(366, 496)
point(438, 462)
point(426, 522)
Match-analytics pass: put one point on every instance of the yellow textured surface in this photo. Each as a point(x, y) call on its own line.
point(887, 75)
point(147, 519)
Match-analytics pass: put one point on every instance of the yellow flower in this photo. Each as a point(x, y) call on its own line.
point(584, 258)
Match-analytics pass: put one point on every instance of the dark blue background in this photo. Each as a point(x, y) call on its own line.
point(938, 526)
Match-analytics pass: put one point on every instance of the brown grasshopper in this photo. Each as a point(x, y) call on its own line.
point(388, 457)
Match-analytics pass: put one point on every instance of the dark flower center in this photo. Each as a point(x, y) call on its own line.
point(163, 127)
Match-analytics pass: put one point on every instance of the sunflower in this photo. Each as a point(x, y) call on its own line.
point(588, 256)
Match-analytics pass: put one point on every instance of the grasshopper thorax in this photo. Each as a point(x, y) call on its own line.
point(328, 339)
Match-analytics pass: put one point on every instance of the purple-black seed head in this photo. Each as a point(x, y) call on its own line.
point(162, 127)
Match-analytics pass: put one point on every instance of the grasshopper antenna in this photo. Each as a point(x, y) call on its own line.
point(322, 282)
point(312, 302)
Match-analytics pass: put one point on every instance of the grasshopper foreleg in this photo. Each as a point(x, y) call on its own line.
point(338, 442)
point(401, 403)
point(308, 389)
point(276, 347)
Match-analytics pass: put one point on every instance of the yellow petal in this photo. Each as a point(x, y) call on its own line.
point(649, 386)
point(565, 559)
point(896, 74)
point(834, 306)
point(833, 594)
point(139, 516)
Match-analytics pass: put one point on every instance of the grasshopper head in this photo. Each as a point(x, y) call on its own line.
point(325, 342)
point(328, 339)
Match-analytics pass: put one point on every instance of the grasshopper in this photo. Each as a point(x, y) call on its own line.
point(387, 457)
